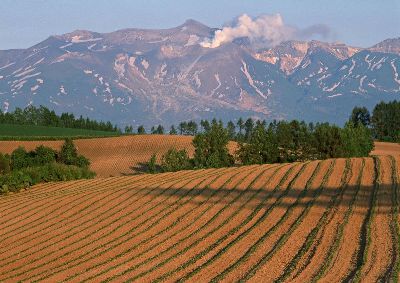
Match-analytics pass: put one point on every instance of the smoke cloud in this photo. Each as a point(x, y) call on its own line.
point(265, 30)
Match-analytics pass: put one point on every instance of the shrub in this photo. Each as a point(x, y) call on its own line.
point(44, 155)
point(68, 153)
point(24, 178)
point(152, 164)
point(175, 160)
point(5, 167)
point(20, 159)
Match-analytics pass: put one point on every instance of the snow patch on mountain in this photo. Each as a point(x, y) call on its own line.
point(145, 64)
point(216, 76)
point(360, 87)
point(193, 40)
point(62, 90)
point(331, 88)
point(78, 39)
point(251, 81)
point(6, 66)
point(396, 74)
point(66, 45)
point(24, 73)
point(335, 95)
point(34, 88)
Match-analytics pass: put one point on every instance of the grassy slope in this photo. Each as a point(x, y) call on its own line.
point(28, 132)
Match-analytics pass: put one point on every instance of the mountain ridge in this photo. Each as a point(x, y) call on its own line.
point(148, 76)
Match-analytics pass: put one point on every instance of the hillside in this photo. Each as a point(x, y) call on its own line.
point(31, 132)
point(138, 76)
point(336, 220)
point(116, 156)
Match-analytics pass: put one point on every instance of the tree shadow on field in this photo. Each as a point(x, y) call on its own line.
point(140, 168)
point(283, 198)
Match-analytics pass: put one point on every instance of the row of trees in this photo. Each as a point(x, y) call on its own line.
point(276, 142)
point(383, 123)
point(42, 116)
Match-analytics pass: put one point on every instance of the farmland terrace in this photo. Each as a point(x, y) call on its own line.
point(333, 220)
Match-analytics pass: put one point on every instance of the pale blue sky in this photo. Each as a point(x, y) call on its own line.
point(24, 23)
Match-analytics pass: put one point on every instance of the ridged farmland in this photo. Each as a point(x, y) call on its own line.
point(116, 156)
point(330, 221)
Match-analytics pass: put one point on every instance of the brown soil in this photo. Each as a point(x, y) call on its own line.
point(98, 229)
point(386, 148)
point(380, 251)
point(117, 156)
point(345, 257)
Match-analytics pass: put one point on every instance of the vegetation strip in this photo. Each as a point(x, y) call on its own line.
point(213, 173)
point(250, 273)
point(214, 230)
point(192, 223)
point(339, 235)
point(36, 259)
point(77, 226)
point(322, 223)
point(365, 238)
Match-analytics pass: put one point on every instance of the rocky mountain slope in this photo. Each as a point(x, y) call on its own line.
point(136, 76)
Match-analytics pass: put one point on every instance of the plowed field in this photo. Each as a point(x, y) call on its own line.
point(116, 156)
point(330, 221)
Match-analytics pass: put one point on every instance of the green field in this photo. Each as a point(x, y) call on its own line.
point(28, 132)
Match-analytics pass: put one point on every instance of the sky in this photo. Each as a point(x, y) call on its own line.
point(24, 23)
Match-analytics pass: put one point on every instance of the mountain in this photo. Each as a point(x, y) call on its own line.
point(137, 76)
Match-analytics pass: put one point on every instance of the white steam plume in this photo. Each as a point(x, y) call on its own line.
point(265, 30)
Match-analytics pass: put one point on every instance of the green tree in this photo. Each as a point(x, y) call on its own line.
point(205, 125)
point(360, 115)
point(20, 159)
point(211, 147)
point(160, 130)
point(261, 148)
point(175, 160)
point(173, 131)
point(68, 154)
point(44, 155)
point(128, 129)
point(152, 164)
point(385, 121)
point(5, 167)
point(357, 140)
point(248, 128)
point(183, 128)
point(231, 128)
point(141, 130)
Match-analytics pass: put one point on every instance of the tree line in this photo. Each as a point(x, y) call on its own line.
point(383, 123)
point(260, 142)
point(42, 116)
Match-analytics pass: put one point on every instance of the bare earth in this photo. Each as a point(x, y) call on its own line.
point(334, 220)
point(117, 156)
